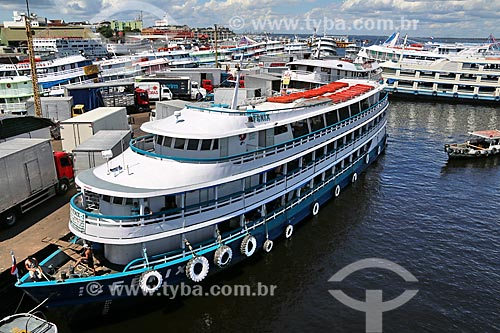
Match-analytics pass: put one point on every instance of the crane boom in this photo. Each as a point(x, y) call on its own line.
point(34, 77)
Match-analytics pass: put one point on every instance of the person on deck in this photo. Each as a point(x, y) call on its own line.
point(87, 258)
point(34, 269)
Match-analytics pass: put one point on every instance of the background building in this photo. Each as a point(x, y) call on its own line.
point(126, 25)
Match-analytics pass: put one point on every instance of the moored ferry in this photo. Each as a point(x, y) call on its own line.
point(472, 75)
point(207, 187)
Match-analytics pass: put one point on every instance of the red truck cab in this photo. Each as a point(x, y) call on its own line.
point(208, 86)
point(64, 170)
point(141, 99)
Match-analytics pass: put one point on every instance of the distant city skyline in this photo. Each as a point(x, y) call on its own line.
point(445, 18)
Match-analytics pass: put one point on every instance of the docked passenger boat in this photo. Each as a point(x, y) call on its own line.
point(208, 187)
point(14, 92)
point(15, 79)
point(91, 48)
point(324, 47)
point(472, 75)
point(395, 48)
point(129, 47)
point(481, 144)
point(308, 73)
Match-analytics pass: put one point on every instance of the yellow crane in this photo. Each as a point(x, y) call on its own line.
point(34, 77)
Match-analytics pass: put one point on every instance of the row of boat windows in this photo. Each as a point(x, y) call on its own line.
point(446, 87)
point(205, 197)
point(40, 70)
point(187, 144)
point(298, 128)
point(451, 75)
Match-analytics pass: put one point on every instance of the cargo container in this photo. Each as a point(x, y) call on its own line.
point(89, 154)
point(54, 108)
point(76, 130)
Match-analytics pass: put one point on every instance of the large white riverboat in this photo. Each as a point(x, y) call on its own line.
point(472, 75)
point(15, 79)
point(91, 48)
point(395, 48)
point(207, 187)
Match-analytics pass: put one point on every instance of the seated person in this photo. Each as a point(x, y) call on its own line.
point(34, 269)
point(87, 258)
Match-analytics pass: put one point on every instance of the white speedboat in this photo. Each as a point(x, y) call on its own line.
point(26, 322)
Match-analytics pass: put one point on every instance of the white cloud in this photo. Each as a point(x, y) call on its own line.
point(454, 18)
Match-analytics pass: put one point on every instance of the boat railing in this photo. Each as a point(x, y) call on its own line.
point(16, 92)
point(147, 144)
point(64, 73)
point(80, 218)
point(312, 76)
point(120, 70)
point(12, 107)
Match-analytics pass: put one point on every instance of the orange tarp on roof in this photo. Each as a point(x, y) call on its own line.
point(342, 96)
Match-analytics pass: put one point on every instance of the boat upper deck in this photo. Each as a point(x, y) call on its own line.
point(188, 167)
point(217, 122)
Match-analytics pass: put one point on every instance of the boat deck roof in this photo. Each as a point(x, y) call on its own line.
point(488, 134)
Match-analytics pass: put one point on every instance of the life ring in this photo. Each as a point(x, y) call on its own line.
point(497, 98)
point(223, 256)
point(455, 95)
point(194, 273)
point(415, 93)
point(354, 177)
point(268, 245)
point(337, 191)
point(475, 96)
point(367, 158)
point(243, 137)
point(63, 67)
point(434, 93)
point(289, 231)
point(248, 245)
point(395, 90)
point(478, 153)
point(315, 208)
point(150, 281)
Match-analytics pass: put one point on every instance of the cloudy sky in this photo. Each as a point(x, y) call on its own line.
point(439, 18)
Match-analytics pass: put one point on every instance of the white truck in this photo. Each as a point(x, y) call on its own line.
point(76, 130)
point(89, 154)
point(30, 173)
point(181, 87)
point(156, 91)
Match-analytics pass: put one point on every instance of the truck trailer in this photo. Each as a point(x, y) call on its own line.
point(30, 173)
point(89, 154)
point(76, 130)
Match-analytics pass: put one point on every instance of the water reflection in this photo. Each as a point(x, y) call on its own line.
point(471, 163)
